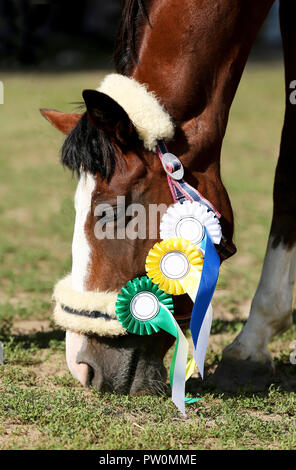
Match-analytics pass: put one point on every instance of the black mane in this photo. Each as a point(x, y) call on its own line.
point(134, 14)
point(89, 149)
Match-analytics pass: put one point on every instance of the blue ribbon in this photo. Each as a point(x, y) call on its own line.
point(206, 288)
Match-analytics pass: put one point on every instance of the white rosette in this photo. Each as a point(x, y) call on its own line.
point(188, 220)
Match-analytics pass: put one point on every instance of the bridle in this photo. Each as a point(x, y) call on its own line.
point(182, 191)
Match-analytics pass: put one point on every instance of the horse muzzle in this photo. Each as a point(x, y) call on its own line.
point(130, 365)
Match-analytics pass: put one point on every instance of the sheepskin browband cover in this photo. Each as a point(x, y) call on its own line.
point(149, 117)
point(85, 312)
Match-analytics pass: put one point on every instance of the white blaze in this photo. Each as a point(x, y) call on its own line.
point(80, 261)
point(80, 246)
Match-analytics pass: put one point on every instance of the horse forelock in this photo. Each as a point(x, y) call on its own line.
point(89, 149)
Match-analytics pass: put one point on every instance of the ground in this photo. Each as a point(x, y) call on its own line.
point(41, 405)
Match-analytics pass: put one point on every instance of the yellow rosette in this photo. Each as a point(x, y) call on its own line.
point(175, 265)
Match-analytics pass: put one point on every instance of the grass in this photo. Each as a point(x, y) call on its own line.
point(42, 406)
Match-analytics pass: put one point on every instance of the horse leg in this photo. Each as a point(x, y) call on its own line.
point(247, 361)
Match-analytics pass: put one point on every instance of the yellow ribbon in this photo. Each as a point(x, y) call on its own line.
point(190, 367)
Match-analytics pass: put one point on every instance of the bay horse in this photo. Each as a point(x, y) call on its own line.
point(191, 56)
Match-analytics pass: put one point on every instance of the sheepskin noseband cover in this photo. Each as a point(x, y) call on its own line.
point(85, 312)
point(94, 312)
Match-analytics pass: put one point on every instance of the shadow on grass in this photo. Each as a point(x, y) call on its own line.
point(234, 326)
point(283, 378)
point(39, 339)
point(237, 380)
point(226, 326)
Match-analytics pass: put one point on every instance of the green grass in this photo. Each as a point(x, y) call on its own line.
point(71, 418)
point(41, 405)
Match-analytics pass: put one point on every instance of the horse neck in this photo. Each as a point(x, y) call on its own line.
point(193, 58)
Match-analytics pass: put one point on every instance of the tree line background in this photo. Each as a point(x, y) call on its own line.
point(68, 34)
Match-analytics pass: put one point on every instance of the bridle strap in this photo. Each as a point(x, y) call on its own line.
point(87, 313)
point(182, 191)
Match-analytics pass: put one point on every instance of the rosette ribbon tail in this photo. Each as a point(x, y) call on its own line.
point(166, 322)
point(202, 313)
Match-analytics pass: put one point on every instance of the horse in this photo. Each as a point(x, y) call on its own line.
point(168, 47)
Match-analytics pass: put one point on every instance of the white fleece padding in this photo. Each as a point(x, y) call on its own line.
point(89, 301)
point(149, 117)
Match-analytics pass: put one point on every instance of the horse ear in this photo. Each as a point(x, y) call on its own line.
point(64, 122)
point(107, 115)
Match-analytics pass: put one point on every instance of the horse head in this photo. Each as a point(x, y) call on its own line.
point(122, 191)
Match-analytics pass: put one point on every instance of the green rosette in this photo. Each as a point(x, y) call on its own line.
point(138, 305)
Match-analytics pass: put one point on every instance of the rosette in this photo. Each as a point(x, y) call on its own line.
point(175, 265)
point(139, 302)
point(188, 221)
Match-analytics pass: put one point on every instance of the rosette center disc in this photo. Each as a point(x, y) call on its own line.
point(190, 229)
point(144, 306)
point(174, 265)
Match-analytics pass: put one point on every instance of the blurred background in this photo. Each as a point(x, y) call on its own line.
point(57, 34)
point(67, 34)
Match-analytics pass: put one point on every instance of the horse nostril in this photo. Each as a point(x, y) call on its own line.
point(90, 376)
point(95, 378)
